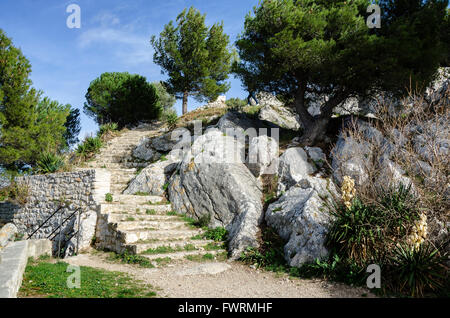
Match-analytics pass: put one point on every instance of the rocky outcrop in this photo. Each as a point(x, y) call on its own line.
point(214, 183)
point(154, 178)
point(263, 156)
point(152, 149)
point(145, 152)
point(301, 218)
point(293, 167)
point(275, 112)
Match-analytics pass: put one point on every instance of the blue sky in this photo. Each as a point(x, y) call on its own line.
point(114, 37)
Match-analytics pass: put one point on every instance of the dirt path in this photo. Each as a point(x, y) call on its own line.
point(222, 280)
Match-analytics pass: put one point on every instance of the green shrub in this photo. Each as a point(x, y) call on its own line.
point(270, 255)
point(218, 234)
point(89, 147)
point(49, 163)
point(15, 193)
point(366, 232)
point(107, 128)
point(109, 197)
point(415, 271)
point(171, 118)
point(236, 104)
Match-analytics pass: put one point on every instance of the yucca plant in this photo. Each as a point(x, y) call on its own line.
point(49, 163)
point(416, 271)
point(106, 128)
point(90, 146)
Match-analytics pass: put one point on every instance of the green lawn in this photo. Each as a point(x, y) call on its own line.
point(45, 279)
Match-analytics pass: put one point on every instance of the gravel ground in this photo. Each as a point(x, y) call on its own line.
point(222, 280)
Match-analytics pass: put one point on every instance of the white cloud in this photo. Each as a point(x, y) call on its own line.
point(123, 40)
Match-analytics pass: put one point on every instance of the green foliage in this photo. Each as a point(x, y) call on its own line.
point(107, 128)
point(218, 234)
point(196, 58)
point(89, 147)
point(171, 119)
point(50, 163)
point(236, 103)
point(365, 232)
point(15, 193)
point(166, 100)
point(73, 127)
point(109, 198)
point(132, 259)
point(415, 272)
point(270, 255)
point(122, 98)
point(44, 279)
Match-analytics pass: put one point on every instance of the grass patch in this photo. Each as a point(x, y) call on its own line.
point(132, 259)
point(44, 279)
point(169, 249)
point(150, 212)
point(218, 234)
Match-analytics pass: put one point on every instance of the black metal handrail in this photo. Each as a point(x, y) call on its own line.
point(45, 222)
point(60, 226)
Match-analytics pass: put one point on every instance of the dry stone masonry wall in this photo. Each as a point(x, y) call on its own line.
point(84, 189)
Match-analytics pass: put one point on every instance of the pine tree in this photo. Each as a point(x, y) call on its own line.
point(297, 47)
point(17, 102)
point(196, 58)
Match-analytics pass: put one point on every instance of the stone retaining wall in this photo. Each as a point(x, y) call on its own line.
point(83, 189)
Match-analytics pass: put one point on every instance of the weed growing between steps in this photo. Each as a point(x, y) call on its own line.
point(169, 249)
point(44, 278)
point(132, 259)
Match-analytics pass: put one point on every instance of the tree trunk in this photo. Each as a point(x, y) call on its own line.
point(315, 128)
point(185, 102)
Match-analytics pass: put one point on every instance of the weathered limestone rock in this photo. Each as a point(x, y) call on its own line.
point(153, 178)
point(275, 112)
point(238, 122)
point(439, 90)
point(263, 156)
point(350, 159)
point(213, 182)
point(145, 152)
point(293, 167)
point(7, 234)
point(300, 217)
point(316, 155)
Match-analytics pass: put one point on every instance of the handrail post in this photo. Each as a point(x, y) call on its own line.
point(78, 231)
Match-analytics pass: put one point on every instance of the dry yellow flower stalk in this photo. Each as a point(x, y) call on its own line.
point(420, 232)
point(348, 191)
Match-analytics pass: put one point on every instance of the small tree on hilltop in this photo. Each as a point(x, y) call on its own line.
point(122, 98)
point(324, 47)
point(196, 58)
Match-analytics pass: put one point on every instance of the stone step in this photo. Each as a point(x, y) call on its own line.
point(145, 235)
point(138, 225)
point(181, 255)
point(136, 199)
point(142, 247)
point(116, 165)
point(136, 210)
point(121, 217)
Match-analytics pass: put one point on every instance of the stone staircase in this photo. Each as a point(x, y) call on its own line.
point(143, 224)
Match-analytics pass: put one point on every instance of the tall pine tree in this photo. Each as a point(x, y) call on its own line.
point(196, 58)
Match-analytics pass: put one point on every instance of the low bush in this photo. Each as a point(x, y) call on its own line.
point(109, 198)
point(89, 147)
point(16, 193)
point(236, 104)
point(171, 118)
point(218, 234)
point(107, 130)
